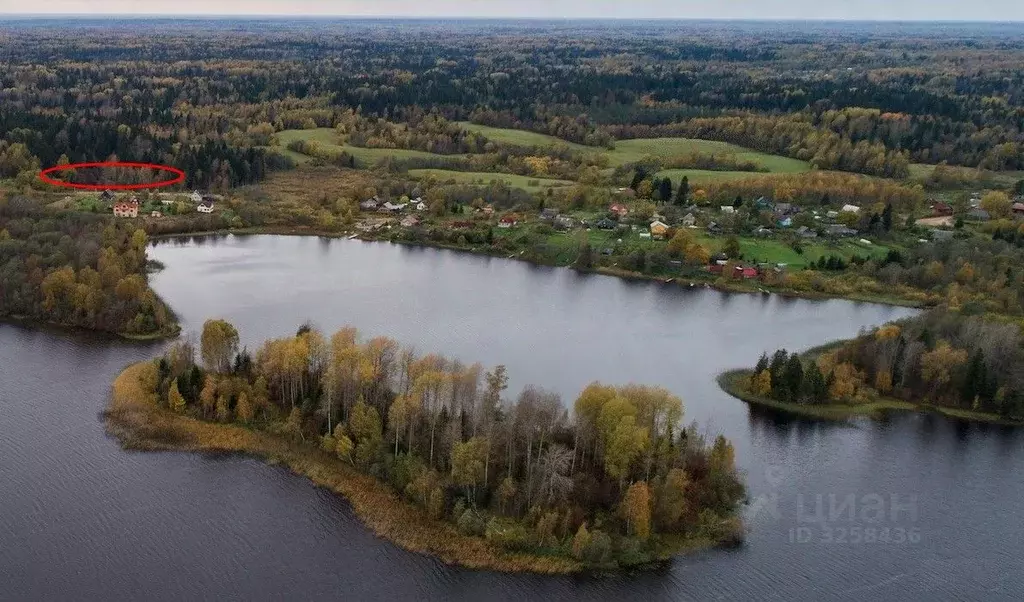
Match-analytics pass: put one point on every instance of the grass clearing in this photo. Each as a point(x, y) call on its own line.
point(481, 177)
point(365, 157)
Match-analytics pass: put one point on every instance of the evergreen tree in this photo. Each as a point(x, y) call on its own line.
point(638, 176)
point(777, 367)
point(665, 190)
point(738, 202)
point(683, 191)
point(794, 377)
point(887, 217)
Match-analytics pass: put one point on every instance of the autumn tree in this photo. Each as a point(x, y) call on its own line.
point(218, 345)
point(636, 510)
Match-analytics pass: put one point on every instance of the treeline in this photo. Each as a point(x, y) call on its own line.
point(76, 269)
point(939, 358)
point(614, 484)
point(790, 135)
point(423, 131)
point(826, 187)
point(579, 129)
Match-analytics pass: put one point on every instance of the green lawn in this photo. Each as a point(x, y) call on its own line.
point(777, 251)
point(474, 177)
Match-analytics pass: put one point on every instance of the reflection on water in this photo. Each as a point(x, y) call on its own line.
point(83, 519)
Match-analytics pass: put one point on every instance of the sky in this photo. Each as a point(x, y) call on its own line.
point(928, 10)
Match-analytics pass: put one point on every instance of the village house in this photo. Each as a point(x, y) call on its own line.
point(564, 222)
point(832, 214)
point(785, 222)
point(1018, 209)
point(850, 209)
point(658, 229)
point(196, 197)
point(420, 205)
point(369, 204)
point(727, 209)
point(806, 232)
point(941, 235)
point(155, 214)
point(127, 208)
point(978, 215)
point(784, 209)
point(763, 204)
point(106, 195)
point(941, 209)
point(606, 224)
point(714, 228)
point(744, 272)
point(410, 221)
point(488, 209)
point(389, 207)
point(839, 230)
point(205, 207)
point(689, 220)
point(507, 221)
point(619, 210)
point(549, 214)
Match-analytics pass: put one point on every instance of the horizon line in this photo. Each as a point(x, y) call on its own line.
point(240, 16)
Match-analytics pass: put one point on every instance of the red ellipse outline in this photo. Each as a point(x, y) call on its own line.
point(179, 176)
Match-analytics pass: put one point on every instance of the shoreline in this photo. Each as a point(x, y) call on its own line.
point(161, 335)
point(691, 281)
point(138, 423)
point(730, 382)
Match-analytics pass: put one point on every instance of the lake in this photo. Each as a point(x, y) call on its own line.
point(923, 507)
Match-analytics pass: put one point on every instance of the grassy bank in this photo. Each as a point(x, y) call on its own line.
point(734, 382)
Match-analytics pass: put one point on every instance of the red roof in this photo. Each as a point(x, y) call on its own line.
point(508, 219)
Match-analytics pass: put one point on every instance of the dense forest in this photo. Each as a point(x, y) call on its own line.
point(211, 101)
point(76, 269)
point(938, 358)
point(619, 482)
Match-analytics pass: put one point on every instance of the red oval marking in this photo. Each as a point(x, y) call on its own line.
point(179, 176)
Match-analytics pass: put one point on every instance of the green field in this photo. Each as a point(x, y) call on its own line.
point(626, 151)
point(366, 157)
point(776, 251)
point(705, 176)
point(630, 151)
point(525, 138)
point(474, 177)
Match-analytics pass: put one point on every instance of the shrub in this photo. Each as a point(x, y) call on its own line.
point(471, 523)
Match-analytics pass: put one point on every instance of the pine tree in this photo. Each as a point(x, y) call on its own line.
point(665, 190)
point(794, 377)
point(683, 191)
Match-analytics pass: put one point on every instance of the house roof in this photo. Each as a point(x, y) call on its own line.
point(658, 224)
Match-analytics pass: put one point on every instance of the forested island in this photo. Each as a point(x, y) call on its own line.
point(965, 367)
point(434, 456)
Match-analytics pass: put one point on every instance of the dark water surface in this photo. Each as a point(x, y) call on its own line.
point(81, 519)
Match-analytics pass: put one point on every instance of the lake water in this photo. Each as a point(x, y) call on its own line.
point(81, 519)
